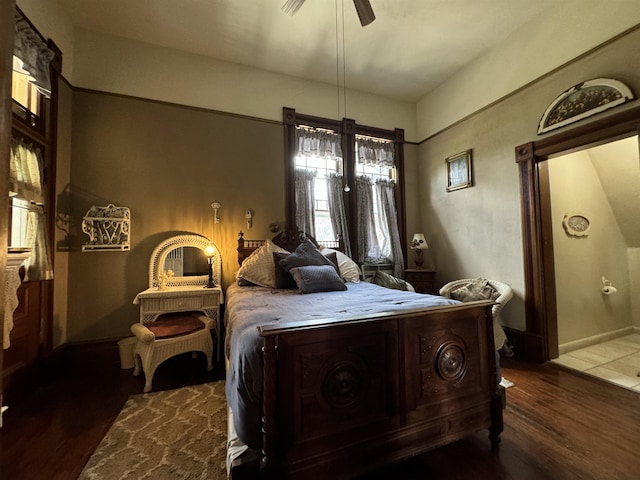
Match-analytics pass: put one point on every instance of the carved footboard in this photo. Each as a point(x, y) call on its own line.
point(343, 398)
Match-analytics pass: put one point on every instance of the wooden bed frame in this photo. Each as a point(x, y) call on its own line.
point(345, 398)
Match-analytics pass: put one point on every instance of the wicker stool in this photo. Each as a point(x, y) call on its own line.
point(170, 335)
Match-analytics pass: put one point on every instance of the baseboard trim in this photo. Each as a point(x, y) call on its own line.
point(595, 339)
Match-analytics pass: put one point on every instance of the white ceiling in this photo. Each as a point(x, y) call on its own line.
point(411, 47)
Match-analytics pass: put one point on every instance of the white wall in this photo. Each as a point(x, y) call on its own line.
point(572, 29)
point(477, 231)
point(142, 70)
point(90, 60)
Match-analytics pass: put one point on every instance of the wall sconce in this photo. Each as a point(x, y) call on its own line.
point(216, 205)
point(209, 251)
point(418, 244)
point(249, 216)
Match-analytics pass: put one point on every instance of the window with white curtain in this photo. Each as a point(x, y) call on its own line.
point(351, 194)
point(32, 97)
point(319, 156)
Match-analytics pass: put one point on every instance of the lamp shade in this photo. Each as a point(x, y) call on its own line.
point(419, 242)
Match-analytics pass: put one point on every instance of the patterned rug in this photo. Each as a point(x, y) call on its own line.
point(171, 435)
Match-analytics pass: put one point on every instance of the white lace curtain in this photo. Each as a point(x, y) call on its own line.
point(305, 200)
point(368, 245)
point(24, 171)
point(337, 214)
point(321, 143)
point(25, 182)
point(381, 242)
point(375, 152)
point(31, 55)
point(389, 216)
point(38, 266)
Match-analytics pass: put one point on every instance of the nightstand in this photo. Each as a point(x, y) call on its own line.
point(422, 279)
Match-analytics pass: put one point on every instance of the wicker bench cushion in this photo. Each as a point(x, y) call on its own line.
point(174, 325)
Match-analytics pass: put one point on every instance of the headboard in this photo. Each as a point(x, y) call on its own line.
point(288, 239)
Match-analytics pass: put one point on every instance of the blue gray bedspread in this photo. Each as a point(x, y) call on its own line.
point(249, 307)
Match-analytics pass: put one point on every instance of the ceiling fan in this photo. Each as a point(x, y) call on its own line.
point(363, 7)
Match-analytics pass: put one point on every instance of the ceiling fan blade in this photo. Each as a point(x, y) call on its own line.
point(292, 6)
point(365, 12)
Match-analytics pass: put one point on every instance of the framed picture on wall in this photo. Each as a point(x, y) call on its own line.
point(459, 171)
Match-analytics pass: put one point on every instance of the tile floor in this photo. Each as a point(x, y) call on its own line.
point(617, 361)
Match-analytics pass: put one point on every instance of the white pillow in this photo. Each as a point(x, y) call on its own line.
point(259, 268)
point(349, 270)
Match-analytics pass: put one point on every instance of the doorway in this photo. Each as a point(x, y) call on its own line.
point(595, 199)
point(542, 337)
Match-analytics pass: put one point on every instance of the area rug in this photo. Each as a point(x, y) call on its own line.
point(171, 435)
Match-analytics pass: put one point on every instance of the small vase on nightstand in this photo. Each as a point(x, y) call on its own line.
point(419, 257)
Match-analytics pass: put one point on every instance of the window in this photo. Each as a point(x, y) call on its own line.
point(24, 92)
point(31, 158)
point(318, 159)
point(342, 180)
point(19, 211)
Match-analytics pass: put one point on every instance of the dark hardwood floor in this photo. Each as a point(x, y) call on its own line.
point(559, 425)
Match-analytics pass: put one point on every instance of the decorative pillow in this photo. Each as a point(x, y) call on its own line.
point(284, 278)
point(389, 281)
point(317, 278)
point(479, 289)
point(349, 270)
point(306, 254)
point(258, 267)
point(176, 324)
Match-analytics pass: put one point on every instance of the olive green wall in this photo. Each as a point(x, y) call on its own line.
point(167, 164)
point(477, 231)
point(60, 250)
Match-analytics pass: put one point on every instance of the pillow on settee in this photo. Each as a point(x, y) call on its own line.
point(258, 267)
point(389, 281)
point(317, 278)
point(479, 289)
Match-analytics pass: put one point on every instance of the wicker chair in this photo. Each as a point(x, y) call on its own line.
point(505, 292)
point(168, 336)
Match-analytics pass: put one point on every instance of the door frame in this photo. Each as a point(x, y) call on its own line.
point(539, 342)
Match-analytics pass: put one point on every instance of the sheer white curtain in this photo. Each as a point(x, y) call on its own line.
point(367, 239)
point(321, 143)
point(317, 146)
point(375, 152)
point(38, 267)
point(305, 200)
point(388, 213)
point(24, 171)
point(25, 182)
point(336, 209)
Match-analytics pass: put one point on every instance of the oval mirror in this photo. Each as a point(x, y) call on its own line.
point(185, 256)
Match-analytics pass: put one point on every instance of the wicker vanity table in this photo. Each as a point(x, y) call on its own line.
point(154, 302)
